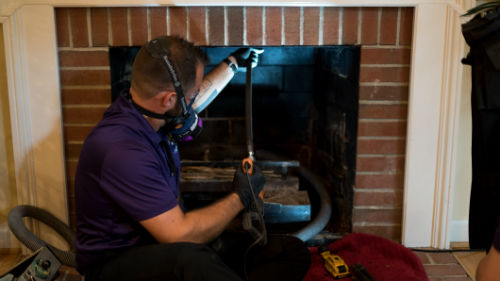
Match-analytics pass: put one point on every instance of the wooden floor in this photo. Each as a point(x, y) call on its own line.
point(440, 266)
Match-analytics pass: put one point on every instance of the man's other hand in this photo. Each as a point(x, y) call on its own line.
point(244, 56)
point(242, 187)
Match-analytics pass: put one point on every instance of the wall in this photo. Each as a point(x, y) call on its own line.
point(8, 196)
point(84, 35)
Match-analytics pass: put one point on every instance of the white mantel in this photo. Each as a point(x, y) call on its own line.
point(438, 87)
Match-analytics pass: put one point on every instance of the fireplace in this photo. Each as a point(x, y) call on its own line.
point(305, 110)
point(383, 36)
point(43, 58)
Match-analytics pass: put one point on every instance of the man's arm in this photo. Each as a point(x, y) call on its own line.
point(489, 267)
point(215, 81)
point(199, 226)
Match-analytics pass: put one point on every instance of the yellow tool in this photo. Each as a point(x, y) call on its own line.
point(333, 263)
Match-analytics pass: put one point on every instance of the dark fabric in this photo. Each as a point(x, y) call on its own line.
point(122, 177)
point(483, 36)
point(383, 259)
point(284, 258)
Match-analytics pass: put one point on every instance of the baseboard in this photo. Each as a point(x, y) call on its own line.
point(459, 231)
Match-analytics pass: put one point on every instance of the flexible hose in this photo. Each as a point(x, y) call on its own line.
point(17, 226)
point(325, 211)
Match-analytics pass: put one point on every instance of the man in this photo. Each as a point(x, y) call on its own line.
point(130, 225)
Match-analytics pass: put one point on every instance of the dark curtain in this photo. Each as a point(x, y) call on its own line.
point(482, 34)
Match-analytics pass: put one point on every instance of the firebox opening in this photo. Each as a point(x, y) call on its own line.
point(305, 108)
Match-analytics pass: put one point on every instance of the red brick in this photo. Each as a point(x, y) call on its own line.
point(292, 25)
point(423, 256)
point(72, 150)
point(406, 26)
point(62, 27)
point(440, 270)
point(442, 258)
point(369, 26)
point(99, 25)
point(76, 133)
point(85, 77)
point(83, 58)
point(273, 26)
point(389, 129)
point(393, 181)
point(119, 26)
point(380, 164)
point(388, 26)
point(158, 21)
point(379, 199)
point(216, 26)
point(381, 146)
point(235, 22)
point(254, 25)
point(350, 26)
point(85, 96)
point(311, 26)
point(398, 111)
point(197, 25)
point(138, 26)
point(331, 25)
point(384, 74)
point(86, 115)
point(377, 215)
point(79, 27)
point(391, 232)
point(392, 93)
point(385, 56)
point(177, 20)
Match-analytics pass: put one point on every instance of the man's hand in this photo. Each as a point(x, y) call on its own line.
point(244, 56)
point(242, 188)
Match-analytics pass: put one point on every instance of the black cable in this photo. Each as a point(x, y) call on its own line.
point(260, 217)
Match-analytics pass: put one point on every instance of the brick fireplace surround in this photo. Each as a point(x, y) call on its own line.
point(385, 34)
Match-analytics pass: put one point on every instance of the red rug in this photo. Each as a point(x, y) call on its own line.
point(382, 258)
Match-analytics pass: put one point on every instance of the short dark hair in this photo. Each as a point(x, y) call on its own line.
point(150, 75)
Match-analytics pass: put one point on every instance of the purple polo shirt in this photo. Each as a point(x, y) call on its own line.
point(122, 178)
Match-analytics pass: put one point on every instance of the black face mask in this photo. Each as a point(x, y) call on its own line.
point(185, 126)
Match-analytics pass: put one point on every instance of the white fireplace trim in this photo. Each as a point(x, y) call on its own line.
point(436, 89)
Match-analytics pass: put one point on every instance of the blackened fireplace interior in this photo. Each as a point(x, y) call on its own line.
point(305, 108)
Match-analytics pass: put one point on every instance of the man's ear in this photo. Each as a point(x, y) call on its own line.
point(169, 99)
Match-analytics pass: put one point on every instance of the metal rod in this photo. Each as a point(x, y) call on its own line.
point(248, 112)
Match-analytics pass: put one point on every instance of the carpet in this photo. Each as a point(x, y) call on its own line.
point(383, 259)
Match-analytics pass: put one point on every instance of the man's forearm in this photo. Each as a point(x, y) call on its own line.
point(209, 222)
point(213, 83)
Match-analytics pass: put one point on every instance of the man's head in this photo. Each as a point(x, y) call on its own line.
point(150, 74)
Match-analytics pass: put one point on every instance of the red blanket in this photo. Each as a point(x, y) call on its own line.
point(382, 258)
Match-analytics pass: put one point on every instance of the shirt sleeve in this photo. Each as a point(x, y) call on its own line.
point(131, 175)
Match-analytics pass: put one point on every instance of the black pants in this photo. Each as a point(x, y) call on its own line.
point(283, 258)
point(482, 33)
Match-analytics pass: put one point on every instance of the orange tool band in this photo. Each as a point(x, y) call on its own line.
point(247, 166)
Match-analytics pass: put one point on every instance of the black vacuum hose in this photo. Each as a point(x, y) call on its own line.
point(325, 211)
point(17, 226)
point(323, 217)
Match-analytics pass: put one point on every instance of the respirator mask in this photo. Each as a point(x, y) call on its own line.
point(187, 125)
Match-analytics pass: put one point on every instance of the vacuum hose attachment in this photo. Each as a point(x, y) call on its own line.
point(16, 225)
point(325, 211)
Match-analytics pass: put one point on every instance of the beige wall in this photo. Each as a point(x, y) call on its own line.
point(8, 193)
